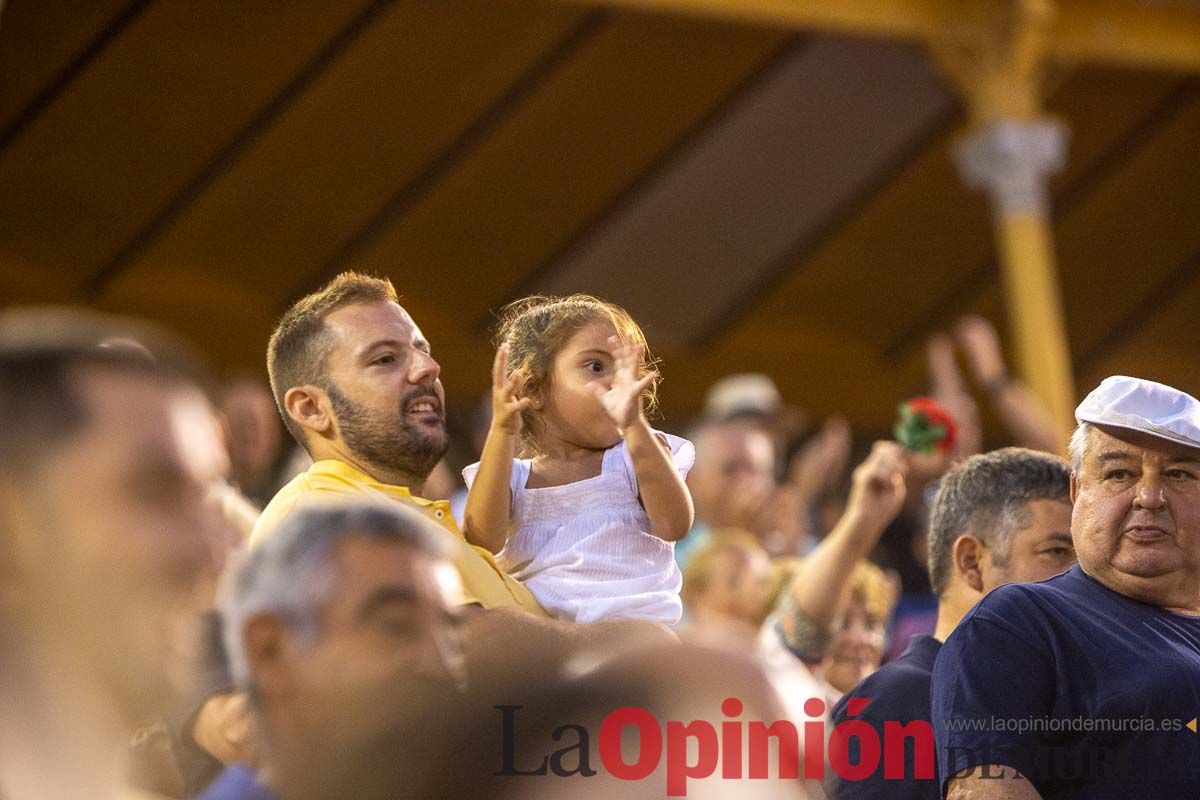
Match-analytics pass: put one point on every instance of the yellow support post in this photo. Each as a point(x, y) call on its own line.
point(1011, 153)
point(1034, 305)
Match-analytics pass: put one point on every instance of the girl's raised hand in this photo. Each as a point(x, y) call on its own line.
point(507, 404)
point(622, 401)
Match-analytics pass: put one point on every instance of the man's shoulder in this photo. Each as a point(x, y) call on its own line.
point(1060, 593)
point(313, 486)
point(330, 477)
point(1029, 616)
point(898, 691)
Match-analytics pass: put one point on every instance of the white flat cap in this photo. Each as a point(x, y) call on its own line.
point(1140, 405)
point(745, 393)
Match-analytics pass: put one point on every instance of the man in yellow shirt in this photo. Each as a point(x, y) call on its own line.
point(359, 390)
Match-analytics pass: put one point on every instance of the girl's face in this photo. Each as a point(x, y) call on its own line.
point(570, 411)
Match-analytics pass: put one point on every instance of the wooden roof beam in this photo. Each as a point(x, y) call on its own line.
point(1120, 33)
point(902, 19)
point(1116, 32)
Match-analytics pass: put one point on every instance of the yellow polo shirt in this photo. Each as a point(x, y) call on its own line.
point(483, 580)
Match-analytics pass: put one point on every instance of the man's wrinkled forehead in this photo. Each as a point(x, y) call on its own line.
point(1109, 444)
point(357, 327)
point(377, 573)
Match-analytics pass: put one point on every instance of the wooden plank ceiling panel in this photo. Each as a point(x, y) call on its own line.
point(40, 40)
point(124, 136)
point(1166, 347)
point(593, 127)
point(863, 270)
point(926, 233)
point(920, 254)
point(1108, 114)
point(369, 126)
point(1126, 227)
point(818, 369)
point(866, 281)
point(1135, 227)
point(1140, 225)
point(767, 181)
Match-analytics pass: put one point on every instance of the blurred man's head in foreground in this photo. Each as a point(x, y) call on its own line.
point(108, 448)
point(342, 621)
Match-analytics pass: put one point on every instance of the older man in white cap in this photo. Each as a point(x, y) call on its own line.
point(1088, 685)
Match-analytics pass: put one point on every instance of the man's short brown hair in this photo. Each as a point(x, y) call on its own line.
point(300, 344)
point(988, 495)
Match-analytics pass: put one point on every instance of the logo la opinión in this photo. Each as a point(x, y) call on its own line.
point(740, 749)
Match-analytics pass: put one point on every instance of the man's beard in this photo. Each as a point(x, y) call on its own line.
point(392, 443)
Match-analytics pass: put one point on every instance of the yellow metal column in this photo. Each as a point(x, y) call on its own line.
point(1012, 161)
point(1011, 154)
point(1035, 305)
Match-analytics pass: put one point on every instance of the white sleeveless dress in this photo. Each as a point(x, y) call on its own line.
point(585, 549)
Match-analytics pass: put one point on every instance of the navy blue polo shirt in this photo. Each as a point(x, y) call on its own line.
point(1086, 692)
point(898, 692)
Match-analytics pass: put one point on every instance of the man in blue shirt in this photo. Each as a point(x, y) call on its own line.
point(999, 517)
point(1088, 685)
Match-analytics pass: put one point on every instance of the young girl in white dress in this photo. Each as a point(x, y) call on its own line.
point(587, 515)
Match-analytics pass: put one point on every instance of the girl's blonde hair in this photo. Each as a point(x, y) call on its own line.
point(537, 328)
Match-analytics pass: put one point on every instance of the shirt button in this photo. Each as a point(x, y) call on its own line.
point(439, 513)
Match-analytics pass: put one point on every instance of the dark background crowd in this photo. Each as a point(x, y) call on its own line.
point(174, 469)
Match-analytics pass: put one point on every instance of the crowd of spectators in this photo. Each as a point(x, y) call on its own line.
point(192, 606)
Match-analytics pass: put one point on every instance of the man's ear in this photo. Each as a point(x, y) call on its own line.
point(967, 554)
point(306, 405)
point(266, 643)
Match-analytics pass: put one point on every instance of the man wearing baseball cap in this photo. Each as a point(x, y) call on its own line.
point(1087, 685)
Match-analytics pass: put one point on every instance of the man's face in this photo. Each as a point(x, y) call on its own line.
point(733, 477)
point(1136, 520)
point(126, 539)
point(1040, 550)
point(386, 396)
point(387, 634)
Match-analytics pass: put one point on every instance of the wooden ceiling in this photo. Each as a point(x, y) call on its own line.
point(761, 200)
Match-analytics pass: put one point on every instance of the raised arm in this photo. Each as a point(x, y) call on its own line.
point(877, 492)
point(1023, 415)
point(811, 472)
point(947, 386)
point(661, 488)
point(489, 502)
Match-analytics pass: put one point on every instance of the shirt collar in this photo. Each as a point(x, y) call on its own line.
point(922, 649)
point(348, 472)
